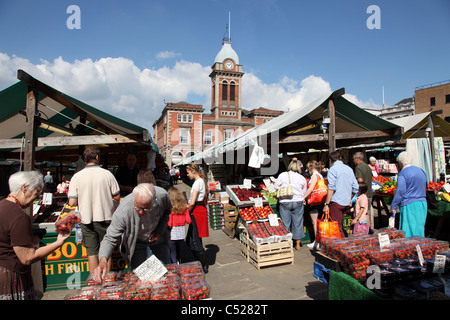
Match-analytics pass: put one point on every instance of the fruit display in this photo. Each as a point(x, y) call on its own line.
point(163, 292)
point(264, 211)
point(184, 281)
point(67, 220)
point(248, 213)
point(377, 256)
point(388, 188)
point(244, 194)
point(436, 186)
point(79, 296)
point(258, 232)
point(279, 231)
point(445, 196)
point(195, 290)
point(380, 179)
point(134, 292)
point(399, 261)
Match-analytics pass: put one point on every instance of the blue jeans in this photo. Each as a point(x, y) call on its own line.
point(145, 250)
point(292, 215)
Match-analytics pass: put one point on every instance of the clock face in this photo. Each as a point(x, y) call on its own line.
point(229, 65)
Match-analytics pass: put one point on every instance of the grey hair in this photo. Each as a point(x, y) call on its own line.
point(404, 158)
point(358, 155)
point(372, 159)
point(145, 191)
point(31, 179)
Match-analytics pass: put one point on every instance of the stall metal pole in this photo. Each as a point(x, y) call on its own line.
point(332, 129)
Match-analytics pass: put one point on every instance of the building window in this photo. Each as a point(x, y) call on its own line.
point(232, 94)
point(432, 101)
point(228, 133)
point(207, 139)
point(184, 136)
point(224, 93)
point(179, 117)
point(447, 98)
point(190, 118)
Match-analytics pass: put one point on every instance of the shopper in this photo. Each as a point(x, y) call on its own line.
point(313, 168)
point(292, 208)
point(126, 175)
point(374, 167)
point(96, 193)
point(17, 242)
point(342, 186)
point(178, 218)
point(361, 206)
point(140, 224)
point(410, 197)
point(198, 228)
point(363, 173)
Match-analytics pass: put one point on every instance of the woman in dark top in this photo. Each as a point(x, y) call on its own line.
point(17, 245)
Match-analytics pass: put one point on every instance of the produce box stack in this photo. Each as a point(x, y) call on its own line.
point(263, 245)
point(216, 215)
point(185, 281)
point(230, 215)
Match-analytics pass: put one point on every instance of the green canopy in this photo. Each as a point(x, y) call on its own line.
point(63, 124)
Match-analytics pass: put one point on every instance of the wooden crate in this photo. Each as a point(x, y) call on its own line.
point(267, 254)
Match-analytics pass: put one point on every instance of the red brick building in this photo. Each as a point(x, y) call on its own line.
point(183, 129)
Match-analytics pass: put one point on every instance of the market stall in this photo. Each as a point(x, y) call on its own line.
point(40, 124)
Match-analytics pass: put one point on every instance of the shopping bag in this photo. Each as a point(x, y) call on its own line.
point(326, 227)
point(285, 192)
point(361, 228)
point(319, 193)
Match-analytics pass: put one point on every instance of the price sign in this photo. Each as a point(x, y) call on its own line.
point(420, 255)
point(247, 183)
point(273, 220)
point(269, 185)
point(383, 239)
point(151, 269)
point(258, 202)
point(439, 263)
point(47, 198)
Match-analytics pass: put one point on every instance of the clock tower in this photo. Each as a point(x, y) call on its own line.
point(226, 83)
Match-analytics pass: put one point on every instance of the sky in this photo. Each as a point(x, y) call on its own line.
point(130, 58)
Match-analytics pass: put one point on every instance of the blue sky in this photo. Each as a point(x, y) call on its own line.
point(130, 57)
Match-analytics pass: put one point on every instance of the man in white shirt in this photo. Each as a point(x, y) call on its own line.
point(96, 192)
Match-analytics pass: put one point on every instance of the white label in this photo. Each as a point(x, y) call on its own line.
point(258, 202)
point(47, 198)
point(447, 187)
point(269, 185)
point(36, 208)
point(439, 263)
point(383, 239)
point(273, 220)
point(151, 269)
point(420, 255)
point(247, 183)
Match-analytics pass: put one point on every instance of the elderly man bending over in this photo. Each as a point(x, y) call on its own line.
point(141, 221)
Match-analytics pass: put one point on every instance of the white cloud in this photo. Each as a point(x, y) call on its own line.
point(286, 95)
point(167, 55)
point(117, 86)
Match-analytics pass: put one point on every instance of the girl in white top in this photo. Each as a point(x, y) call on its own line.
point(199, 227)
